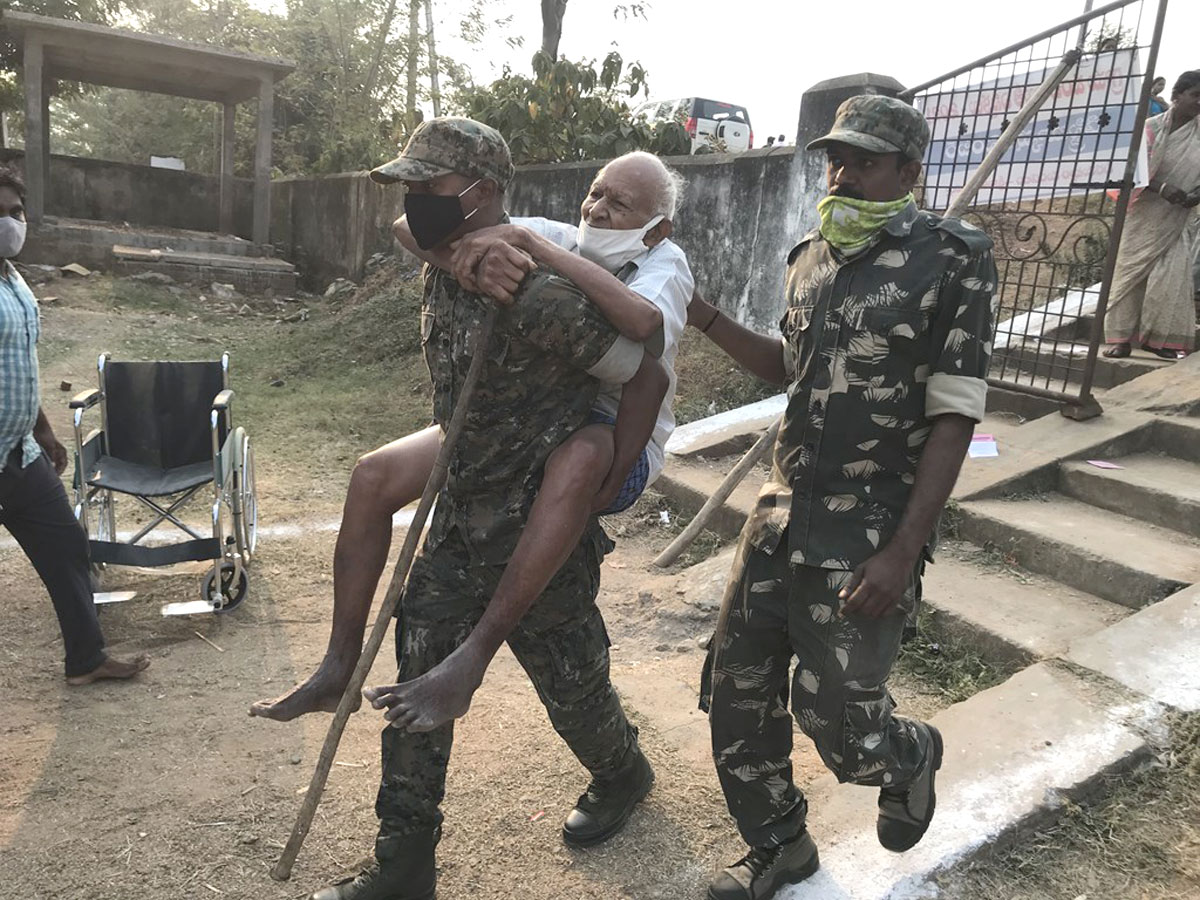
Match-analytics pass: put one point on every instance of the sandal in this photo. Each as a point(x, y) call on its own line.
point(1118, 351)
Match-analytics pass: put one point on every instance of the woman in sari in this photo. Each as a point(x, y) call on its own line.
point(1151, 299)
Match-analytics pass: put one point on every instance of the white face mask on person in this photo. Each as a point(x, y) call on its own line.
point(612, 248)
point(12, 237)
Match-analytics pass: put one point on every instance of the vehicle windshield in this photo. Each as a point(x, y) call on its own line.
point(711, 109)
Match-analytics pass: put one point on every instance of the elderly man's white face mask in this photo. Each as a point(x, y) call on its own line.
point(613, 248)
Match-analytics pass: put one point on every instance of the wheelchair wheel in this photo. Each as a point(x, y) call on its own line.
point(102, 527)
point(248, 536)
point(234, 585)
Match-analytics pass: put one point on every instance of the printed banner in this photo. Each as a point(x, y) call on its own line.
point(1078, 142)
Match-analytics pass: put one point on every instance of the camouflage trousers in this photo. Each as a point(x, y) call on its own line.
point(838, 692)
point(561, 643)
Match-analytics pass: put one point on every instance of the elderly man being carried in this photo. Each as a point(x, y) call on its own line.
point(620, 256)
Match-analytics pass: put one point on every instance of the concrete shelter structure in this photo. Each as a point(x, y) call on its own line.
point(58, 50)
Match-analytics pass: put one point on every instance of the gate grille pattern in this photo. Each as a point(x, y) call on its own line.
point(1054, 203)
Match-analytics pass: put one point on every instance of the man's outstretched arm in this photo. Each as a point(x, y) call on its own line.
point(757, 353)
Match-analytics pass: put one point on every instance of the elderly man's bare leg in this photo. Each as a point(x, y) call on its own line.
point(384, 482)
point(574, 474)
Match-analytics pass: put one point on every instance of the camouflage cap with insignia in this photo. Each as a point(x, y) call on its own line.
point(878, 124)
point(450, 144)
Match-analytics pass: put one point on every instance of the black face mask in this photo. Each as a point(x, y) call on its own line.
point(434, 217)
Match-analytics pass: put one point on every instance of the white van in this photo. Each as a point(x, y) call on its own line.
point(709, 122)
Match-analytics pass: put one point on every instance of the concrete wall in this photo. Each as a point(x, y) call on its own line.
point(140, 195)
point(734, 222)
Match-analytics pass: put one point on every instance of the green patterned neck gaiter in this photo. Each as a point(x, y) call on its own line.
point(850, 225)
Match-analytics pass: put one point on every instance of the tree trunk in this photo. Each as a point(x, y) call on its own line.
point(377, 54)
point(436, 91)
point(414, 57)
point(552, 22)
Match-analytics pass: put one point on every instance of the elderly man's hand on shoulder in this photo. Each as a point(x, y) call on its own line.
point(493, 261)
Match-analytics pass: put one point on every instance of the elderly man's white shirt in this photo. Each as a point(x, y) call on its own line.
point(664, 278)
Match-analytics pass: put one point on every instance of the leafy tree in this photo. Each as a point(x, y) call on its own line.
point(571, 111)
point(97, 12)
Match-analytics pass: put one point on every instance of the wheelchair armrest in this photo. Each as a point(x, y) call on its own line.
point(222, 400)
point(85, 399)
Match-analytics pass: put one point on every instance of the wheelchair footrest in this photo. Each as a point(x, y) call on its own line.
point(119, 554)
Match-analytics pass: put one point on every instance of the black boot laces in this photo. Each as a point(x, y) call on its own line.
point(759, 859)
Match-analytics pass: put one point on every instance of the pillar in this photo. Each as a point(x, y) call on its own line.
point(226, 222)
point(35, 132)
point(262, 162)
point(818, 106)
point(47, 84)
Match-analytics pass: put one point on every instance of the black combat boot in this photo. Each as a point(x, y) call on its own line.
point(905, 813)
point(764, 870)
point(403, 870)
point(606, 806)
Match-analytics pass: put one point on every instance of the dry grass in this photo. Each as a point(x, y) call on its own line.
point(710, 382)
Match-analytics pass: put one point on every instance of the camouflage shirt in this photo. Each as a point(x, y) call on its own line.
point(876, 347)
point(550, 350)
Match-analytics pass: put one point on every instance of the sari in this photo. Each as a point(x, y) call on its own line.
point(1150, 302)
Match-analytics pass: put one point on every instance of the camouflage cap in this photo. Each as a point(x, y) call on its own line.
point(878, 124)
point(450, 144)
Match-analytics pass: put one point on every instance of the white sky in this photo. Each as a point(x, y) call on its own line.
point(763, 54)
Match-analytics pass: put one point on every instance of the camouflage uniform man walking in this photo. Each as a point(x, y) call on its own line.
point(886, 341)
point(550, 349)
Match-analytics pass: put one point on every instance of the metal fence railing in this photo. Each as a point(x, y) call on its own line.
point(1039, 145)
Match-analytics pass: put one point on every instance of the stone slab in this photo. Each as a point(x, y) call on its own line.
point(1172, 389)
point(1155, 652)
point(728, 432)
point(1012, 754)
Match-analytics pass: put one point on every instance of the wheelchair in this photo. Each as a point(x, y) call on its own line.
point(166, 432)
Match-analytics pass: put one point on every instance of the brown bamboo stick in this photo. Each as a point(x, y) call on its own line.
point(732, 480)
point(282, 870)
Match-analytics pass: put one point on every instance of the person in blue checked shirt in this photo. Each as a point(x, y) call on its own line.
point(33, 503)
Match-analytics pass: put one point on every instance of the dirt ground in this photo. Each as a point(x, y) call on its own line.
point(165, 787)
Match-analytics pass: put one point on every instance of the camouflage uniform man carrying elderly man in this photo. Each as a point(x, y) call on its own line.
point(886, 343)
point(513, 552)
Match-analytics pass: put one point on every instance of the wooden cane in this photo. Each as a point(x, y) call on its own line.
point(350, 698)
point(732, 480)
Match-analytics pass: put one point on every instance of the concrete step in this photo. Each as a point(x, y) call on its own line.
point(1012, 754)
point(1178, 437)
point(1080, 330)
point(249, 274)
point(1006, 614)
point(104, 234)
point(689, 484)
point(1155, 652)
point(1153, 487)
point(1051, 364)
point(1109, 555)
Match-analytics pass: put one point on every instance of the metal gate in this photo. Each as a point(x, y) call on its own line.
point(1039, 145)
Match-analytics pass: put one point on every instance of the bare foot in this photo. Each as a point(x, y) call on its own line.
point(439, 696)
point(320, 692)
point(112, 667)
point(1118, 351)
